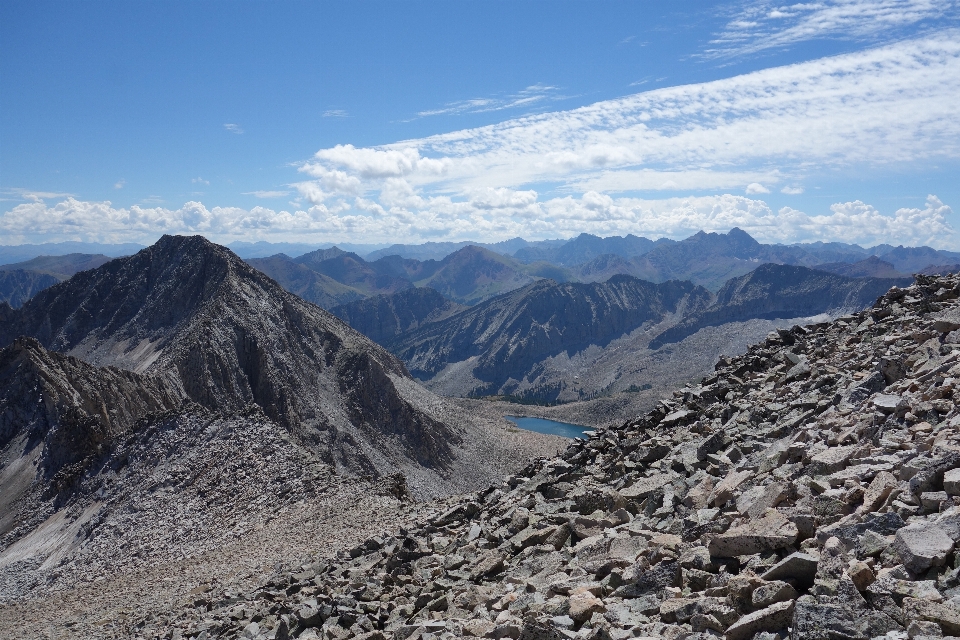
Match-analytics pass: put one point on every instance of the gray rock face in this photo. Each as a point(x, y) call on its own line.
point(18, 285)
point(781, 291)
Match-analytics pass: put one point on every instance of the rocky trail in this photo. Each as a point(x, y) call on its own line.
point(807, 489)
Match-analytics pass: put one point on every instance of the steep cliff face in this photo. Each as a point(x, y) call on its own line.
point(782, 291)
point(229, 336)
point(507, 336)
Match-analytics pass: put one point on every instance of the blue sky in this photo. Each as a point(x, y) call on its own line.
point(411, 121)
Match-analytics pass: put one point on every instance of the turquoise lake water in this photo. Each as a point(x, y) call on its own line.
point(552, 427)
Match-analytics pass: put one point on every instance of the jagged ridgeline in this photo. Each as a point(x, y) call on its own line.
point(808, 489)
point(192, 319)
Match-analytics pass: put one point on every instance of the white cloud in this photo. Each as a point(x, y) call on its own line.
point(34, 196)
point(199, 180)
point(767, 25)
point(233, 128)
point(267, 194)
point(792, 191)
point(119, 184)
point(530, 96)
point(559, 174)
point(404, 216)
point(335, 113)
point(881, 107)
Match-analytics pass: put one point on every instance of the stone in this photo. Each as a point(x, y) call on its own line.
point(931, 500)
point(773, 592)
point(831, 460)
point(951, 482)
point(923, 629)
point(872, 544)
point(888, 403)
point(645, 486)
point(773, 618)
point(861, 574)
point(663, 576)
point(489, 564)
point(584, 604)
point(922, 545)
point(945, 614)
point(801, 567)
point(725, 488)
point(769, 533)
point(766, 497)
point(534, 630)
point(892, 369)
point(814, 620)
point(877, 492)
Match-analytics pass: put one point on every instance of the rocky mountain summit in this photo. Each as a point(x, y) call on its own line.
point(226, 336)
point(809, 489)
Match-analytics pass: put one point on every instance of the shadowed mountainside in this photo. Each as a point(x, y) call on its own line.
point(19, 285)
point(782, 291)
point(872, 267)
point(586, 247)
point(302, 281)
point(382, 318)
point(60, 267)
point(351, 270)
point(468, 276)
point(505, 337)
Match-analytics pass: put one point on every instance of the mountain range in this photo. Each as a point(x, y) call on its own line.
point(472, 272)
point(176, 414)
point(550, 341)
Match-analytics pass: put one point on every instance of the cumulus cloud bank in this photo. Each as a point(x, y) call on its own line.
point(480, 217)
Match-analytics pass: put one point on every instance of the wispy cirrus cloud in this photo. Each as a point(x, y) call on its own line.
point(532, 95)
point(888, 105)
point(33, 195)
point(267, 194)
point(335, 113)
point(233, 128)
point(769, 25)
